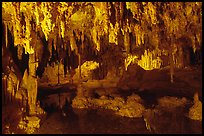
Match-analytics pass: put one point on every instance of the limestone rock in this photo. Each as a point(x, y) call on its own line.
point(51, 73)
point(151, 118)
point(107, 92)
point(172, 102)
point(132, 110)
point(80, 102)
point(132, 77)
point(195, 112)
point(39, 110)
point(29, 124)
point(135, 98)
point(132, 107)
point(117, 103)
point(86, 70)
point(12, 83)
point(80, 91)
point(103, 97)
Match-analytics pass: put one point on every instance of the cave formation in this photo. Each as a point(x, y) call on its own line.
point(133, 58)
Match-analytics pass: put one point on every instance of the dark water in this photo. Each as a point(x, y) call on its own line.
point(101, 121)
point(84, 121)
point(91, 122)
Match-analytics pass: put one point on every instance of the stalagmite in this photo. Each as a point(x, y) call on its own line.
point(82, 41)
point(32, 88)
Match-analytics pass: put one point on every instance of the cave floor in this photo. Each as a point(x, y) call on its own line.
point(104, 121)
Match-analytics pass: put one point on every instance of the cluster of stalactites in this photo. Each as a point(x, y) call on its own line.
point(43, 15)
point(153, 21)
point(173, 20)
point(20, 23)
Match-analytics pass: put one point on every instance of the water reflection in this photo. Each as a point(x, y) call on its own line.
point(69, 120)
point(92, 121)
point(101, 121)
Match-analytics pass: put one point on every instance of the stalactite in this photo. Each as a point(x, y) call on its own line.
point(55, 43)
point(46, 23)
point(127, 37)
point(58, 75)
point(180, 58)
point(107, 18)
point(50, 41)
point(117, 12)
point(62, 29)
point(6, 34)
point(82, 41)
point(36, 13)
point(20, 52)
point(5, 88)
point(59, 27)
point(171, 67)
point(73, 43)
point(79, 57)
point(121, 13)
point(113, 34)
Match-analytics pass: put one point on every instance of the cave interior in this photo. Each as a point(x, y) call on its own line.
point(131, 60)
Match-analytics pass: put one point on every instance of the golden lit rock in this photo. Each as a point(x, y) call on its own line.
point(29, 124)
point(86, 72)
point(195, 112)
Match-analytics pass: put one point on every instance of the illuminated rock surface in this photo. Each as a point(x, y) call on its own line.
point(195, 112)
point(131, 108)
point(87, 68)
point(29, 124)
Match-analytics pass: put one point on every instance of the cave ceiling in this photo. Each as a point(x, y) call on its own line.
point(153, 25)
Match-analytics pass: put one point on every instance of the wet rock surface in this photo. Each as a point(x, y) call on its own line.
point(195, 112)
